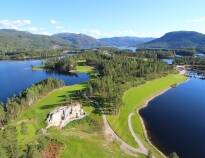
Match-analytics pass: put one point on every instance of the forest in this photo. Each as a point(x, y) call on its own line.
point(64, 65)
point(13, 108)
point(30, 54)
point(16, 104)
point(167, 53)
point(116, 73)
point(193, 61)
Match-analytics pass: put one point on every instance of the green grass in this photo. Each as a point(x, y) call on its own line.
point(81, 139)
point(84, 69)
point(39, 110)
point(133, 99)
point(35, 115)
point(39, 67)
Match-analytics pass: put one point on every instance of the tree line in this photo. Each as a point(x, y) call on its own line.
point(189, 61)
point(30, 54)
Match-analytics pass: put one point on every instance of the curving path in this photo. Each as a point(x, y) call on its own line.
point(137, 139)
point(110, 134)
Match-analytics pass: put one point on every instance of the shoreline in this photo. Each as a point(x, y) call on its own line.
point(143, 123)
point(145, 132)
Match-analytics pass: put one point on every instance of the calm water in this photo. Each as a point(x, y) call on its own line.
point(133, 49)
point(168, 61)
point(15, 76)
point(176, 120)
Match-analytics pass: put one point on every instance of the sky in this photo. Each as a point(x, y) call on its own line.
point(103, 18)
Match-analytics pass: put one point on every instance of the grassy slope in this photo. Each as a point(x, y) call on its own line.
point(84, 69)
point(83, 138)
point(134, 98)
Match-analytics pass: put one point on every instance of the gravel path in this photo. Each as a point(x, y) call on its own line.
point(111, 135)
point(141, 148)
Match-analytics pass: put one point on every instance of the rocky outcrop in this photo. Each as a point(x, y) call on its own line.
point(61, 116)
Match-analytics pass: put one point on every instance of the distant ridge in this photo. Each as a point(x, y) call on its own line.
point(126, 41)
point(178, 39)
point(78, 40)
point(14, 40)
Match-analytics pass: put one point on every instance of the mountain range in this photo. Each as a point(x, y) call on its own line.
point(85, 41)
point(125, 41)
point(13, 40)
point(20, 40)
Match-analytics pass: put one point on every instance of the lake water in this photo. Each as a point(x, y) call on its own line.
point(16, 76)
point(176, 120)
point(168, 61)
point(133, 49)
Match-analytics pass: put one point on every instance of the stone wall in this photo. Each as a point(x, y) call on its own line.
point(61, 116)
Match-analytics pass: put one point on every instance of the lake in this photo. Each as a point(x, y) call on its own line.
point(175, 120)
point(16, 76)
point(133, 49)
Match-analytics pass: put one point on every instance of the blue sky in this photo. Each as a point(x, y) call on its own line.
point(103, 18)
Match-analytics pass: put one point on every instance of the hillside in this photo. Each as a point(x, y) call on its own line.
point(78, 40)
point(124, 41)
point(178, 39)
point(13, 40)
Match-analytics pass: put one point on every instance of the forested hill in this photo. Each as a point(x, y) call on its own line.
point(178, 39)
point(78, 40)
point(125, 41)
point(13, 40)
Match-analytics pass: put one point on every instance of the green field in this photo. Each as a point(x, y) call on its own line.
point(133, 99)
point(81, 139)
point(39, 67)
point(83, 69)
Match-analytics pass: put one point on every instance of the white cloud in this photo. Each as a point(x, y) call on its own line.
point(45, 33)
point(59, 27)
point(14, 24)
point(23, 25)
point(33, 29)
point(129, 32)
point(94, 32)
point(199, 20)
point(26, 25)
point(52, 21)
